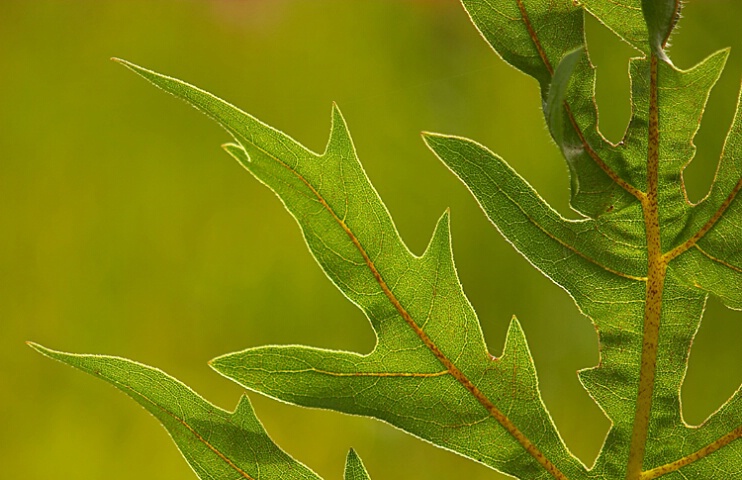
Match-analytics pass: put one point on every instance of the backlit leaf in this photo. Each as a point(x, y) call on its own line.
point(640, 263)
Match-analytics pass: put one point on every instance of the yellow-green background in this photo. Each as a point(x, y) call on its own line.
point(125, 230)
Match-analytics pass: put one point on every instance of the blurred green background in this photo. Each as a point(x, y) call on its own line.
point(124, 229)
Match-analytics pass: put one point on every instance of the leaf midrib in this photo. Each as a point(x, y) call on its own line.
point(656, 274)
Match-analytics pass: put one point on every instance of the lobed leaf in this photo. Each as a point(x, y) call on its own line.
point(640, 264)
point(430, 373)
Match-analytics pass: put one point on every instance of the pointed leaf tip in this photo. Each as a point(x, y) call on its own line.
point(440, 241)
point(354, 468)
point(340, 141)
point(515, 327)
point(129, 65)
point(47, 352)
point(35, 346)
point(429, 137)
point(515, 338)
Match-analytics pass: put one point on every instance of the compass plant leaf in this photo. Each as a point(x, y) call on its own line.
point(640, 262)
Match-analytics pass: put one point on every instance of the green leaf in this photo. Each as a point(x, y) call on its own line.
point(640, 263)
point(430, 372)
point(354, 469)
point(642, 257)
point(217, 444)
point(714, 261)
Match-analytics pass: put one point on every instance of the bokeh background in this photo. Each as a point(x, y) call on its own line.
point(124, 229)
